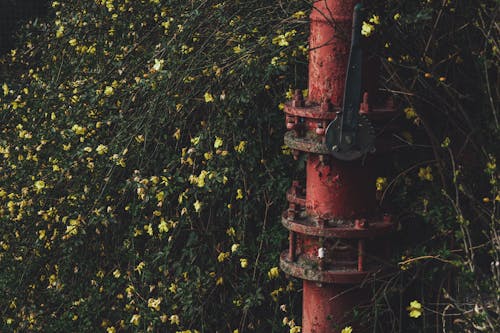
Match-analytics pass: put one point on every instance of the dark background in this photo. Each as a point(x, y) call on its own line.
point(13, 13)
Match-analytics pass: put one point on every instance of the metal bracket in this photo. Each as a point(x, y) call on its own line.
point(351, 136)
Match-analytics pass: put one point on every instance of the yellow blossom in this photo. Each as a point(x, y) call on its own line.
point(39, 186)
point(425, 173)
point(136, 318)
point(234, 247)
point(375, 19)
point(5, 89)
point(218, 142)
point(177, 134)
point(239, 194)
point(243, 262)
point(231, 232)
point(273, 273)
point(208, 97)
point(381, 183)
point(140, 267)
point(101, 149)
point(298, 15)
point(347, 329)
point(222, 256)
point(154, 303)
point(415, 309)
point(197, 206)
point(73, 42)
point(158, 64)
point(367, 29)
point(108, 91)
point(295, 329)
point(174, 319)
point(240, 147)
point(60, 31)
point(116, 273)
point(410, 113)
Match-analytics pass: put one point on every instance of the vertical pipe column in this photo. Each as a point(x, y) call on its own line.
point(329, 223)
point(329, 43)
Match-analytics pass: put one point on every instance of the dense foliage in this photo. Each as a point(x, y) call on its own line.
point(143, 171)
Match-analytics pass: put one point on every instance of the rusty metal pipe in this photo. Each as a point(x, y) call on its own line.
point(330, 222)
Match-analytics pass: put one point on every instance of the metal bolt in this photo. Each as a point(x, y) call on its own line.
point(291, 211)
point(325, 105)
point(360, 224)
point(298, 99)
point(320, 129)
point(365, 106)
point(290, 123)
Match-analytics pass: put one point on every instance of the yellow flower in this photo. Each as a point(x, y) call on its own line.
point(174, 319)
point(367, 29)
point(222, 256)
point(347, 329)
point(197, 206)
point(243, 262)
point(231, 232)
point(273, 273)
point(220, 280)
point(208, 97)
point(295, 329)
point(177, 134)
point(60, 31)
point(111, 329)
point(425, 173)
point(218, 142)
point(375, 19)
point(116, 273)
point(397, 16)
point(298, 15)
point(135, 319)
point(415, 309)
point(234, 247)
point(79, 130)
point(237, 49)
point(410, 113)
point(140, 267)
point(108, 91)
point(5, 88)
point(39, 186)
point(239, 194)
point(154, 303)
point(73, 42)
point(101, 149)
point(240, 147)
point(158, 64)
point(381, 183)
point(163, 227)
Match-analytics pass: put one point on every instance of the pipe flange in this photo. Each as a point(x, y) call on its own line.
point(307, 270)
point(344, 229)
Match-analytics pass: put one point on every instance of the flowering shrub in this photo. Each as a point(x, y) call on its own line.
point(142, 173)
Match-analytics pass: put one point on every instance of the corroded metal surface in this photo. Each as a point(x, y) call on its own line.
point(346, 229)
point(336, 232)
point(310, 271)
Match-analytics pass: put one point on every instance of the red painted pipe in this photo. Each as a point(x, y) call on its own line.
point(335, 189)
point(333, 225)
point(329, 43)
